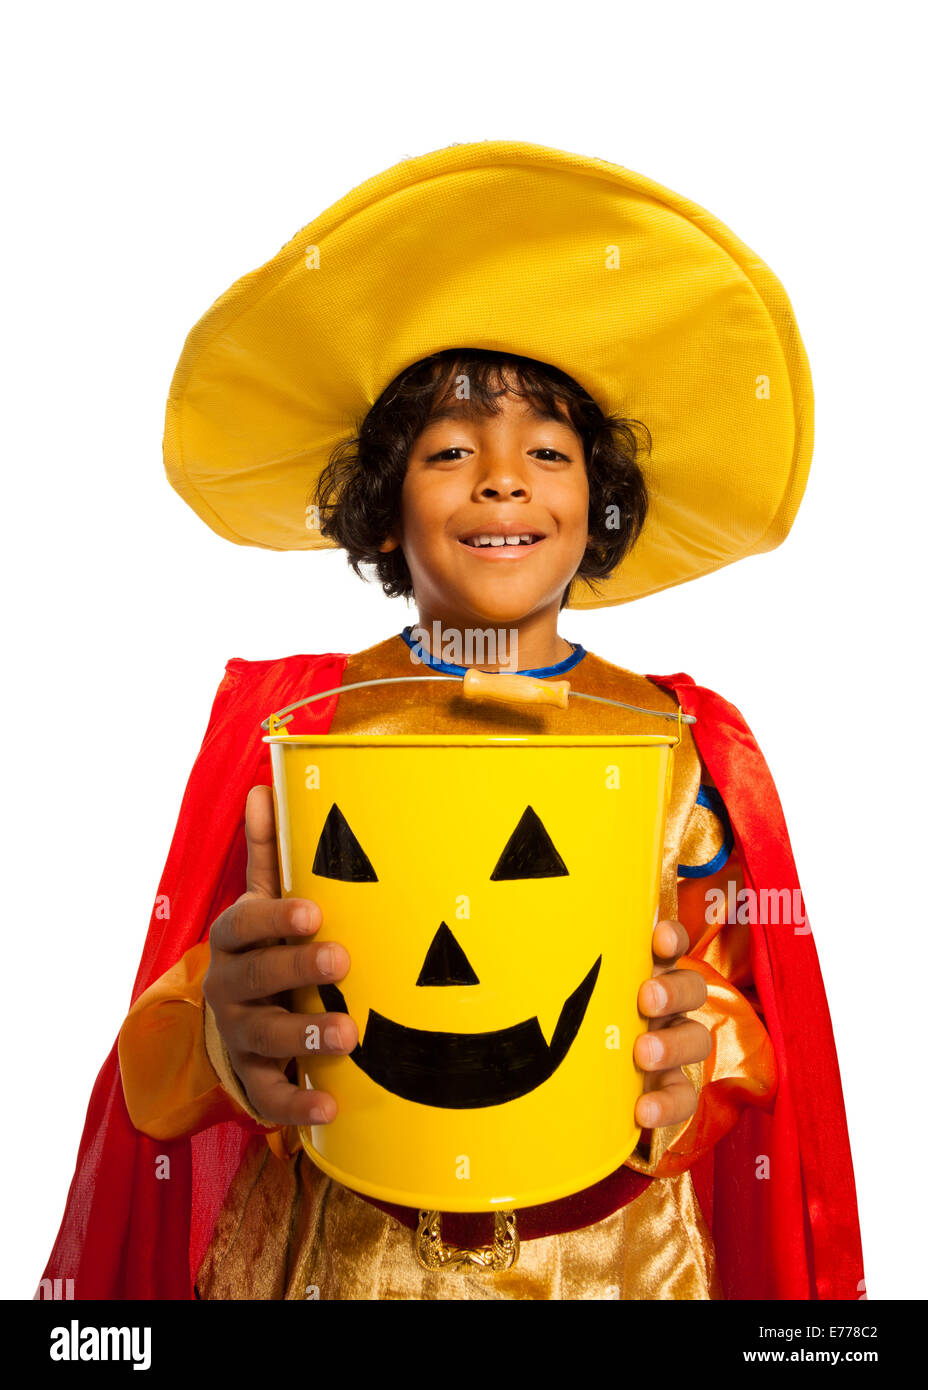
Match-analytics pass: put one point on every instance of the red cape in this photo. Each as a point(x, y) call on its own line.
point(128, 1234)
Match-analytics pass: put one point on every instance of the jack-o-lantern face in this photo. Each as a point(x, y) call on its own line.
point(459, 1071)
point(496, 898)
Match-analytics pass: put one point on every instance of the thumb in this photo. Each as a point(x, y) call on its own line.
point(262, 875)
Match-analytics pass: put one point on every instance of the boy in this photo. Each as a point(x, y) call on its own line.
point(205, 1046)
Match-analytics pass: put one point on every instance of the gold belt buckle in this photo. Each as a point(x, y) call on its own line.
point(433, 1254)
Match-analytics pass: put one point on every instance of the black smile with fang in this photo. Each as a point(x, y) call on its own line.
point(462, 1071)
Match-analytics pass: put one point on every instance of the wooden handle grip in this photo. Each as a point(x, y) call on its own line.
point(505, 688)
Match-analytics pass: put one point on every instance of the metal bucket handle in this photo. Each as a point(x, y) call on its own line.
point(501, 687)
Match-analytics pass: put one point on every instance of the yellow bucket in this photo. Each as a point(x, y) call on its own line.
point(497, 897)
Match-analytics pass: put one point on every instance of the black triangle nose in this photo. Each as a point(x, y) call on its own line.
point(445, 962)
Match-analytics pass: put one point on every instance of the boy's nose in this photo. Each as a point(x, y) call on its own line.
point(505, 483)
point(445, 962)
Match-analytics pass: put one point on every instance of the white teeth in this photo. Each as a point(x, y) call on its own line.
point(525, 537)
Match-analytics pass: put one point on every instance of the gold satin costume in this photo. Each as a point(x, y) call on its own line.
point(287, 1231)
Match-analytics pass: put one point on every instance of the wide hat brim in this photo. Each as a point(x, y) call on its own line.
point(644, 298)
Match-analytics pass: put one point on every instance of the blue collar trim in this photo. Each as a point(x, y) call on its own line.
point(450, 669)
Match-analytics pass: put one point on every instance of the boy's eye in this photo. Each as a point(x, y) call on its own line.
point(456, 450)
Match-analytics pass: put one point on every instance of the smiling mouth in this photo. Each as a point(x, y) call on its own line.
point(464, 1071)
point(504, 551)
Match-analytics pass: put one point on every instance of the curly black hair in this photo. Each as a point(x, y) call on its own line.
point(357, 494)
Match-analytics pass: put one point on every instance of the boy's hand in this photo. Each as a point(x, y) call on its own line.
point(672, 1040)
point(249, 969)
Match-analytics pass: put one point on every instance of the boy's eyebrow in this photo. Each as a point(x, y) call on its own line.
point(462, 411)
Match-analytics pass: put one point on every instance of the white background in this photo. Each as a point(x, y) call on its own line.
point(156, 154)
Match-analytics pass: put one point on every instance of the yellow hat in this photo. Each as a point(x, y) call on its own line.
point(644, 298)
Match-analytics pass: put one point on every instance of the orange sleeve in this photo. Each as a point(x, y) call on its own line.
point(170, 1083)
point(741, 1068)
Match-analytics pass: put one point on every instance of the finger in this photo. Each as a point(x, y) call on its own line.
point(670, 940)
point(669, 1103)
point(256, 919)
point(262, 874)
point(276, 1032)
point(279, 1100)
point(675, 991)
point(270, 970)
point(678, 1045)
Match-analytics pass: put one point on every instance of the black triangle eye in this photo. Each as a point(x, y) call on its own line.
point(338, 854)
point(529, 852)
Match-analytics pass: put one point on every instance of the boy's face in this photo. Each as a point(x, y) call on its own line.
point(472, 475)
